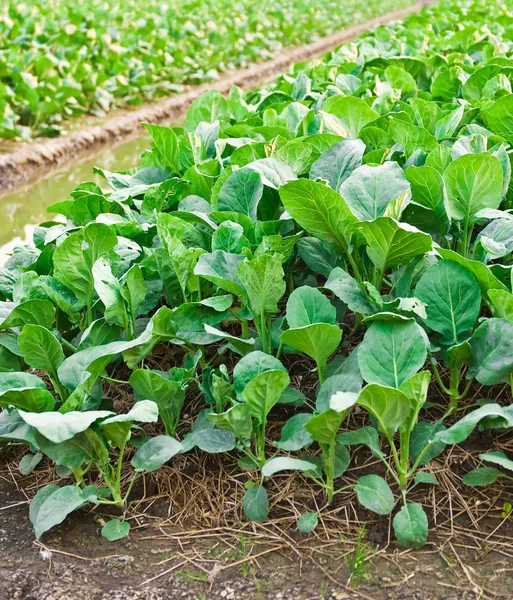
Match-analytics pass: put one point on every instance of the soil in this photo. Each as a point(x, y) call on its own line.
point(22, 162)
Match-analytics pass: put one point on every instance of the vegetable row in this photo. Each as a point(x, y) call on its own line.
point(354, 216)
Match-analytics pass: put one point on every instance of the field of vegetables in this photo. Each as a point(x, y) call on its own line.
point(312, 282)
point(61, 59)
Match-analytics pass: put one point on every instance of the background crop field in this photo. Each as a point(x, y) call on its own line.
point(60, 59)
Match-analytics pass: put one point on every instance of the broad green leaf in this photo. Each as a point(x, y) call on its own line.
point(374, 493)
point(492, 351)
point(220, 268)
point(369, 191)
point(115, 529)
point(367, 436)
point(497, 458)
point(294, 435)
point(499, 117)
point(423, 477)
point(41, 349)
point(34, 312)
point(155, 452)
point(29, 462)
point(338, 162)
point(229, 237)
point(324, 427)
point(285, 463)
point(209, 107)
point(144, 411)
point(427, 190)
point(110, 293)
point(391, 243)
point(168, 395)
point(165, 144)
point(411, 526)
point(75, 256)
point(306, 306)
point(392, 352)
point(482, 477)
point(502, 304)
point(319, 210)
point(453, 300)
point(256, 504)
point(31, 399)
point(241, 193)
point(484, 276)
point(473, 182)
point(263, 280)
point(318, 341)
point(460, 431)
point(264, 391)
point(308, 522)
point(58, 427)
point(349, 291)
point(252, 365)
point(389, 406)
point(52, 504)
point(236, 419)
point(352, 113)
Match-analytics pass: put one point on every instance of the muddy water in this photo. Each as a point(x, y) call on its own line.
point(21, 211)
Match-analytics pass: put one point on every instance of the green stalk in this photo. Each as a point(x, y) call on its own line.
point(329, 466)
point(321, 372)
point(244, 328)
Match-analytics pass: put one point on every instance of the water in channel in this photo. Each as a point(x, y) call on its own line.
point(21, 211)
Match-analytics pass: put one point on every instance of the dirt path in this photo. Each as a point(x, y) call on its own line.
point(23, 163)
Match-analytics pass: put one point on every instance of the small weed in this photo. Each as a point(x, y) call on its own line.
point(193, 576)
point(359, 562)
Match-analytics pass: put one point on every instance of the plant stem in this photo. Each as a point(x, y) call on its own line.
point(321, 372)
point(329, 465)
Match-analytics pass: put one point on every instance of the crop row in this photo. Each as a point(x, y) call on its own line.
point(61, 59)
point(355, 214)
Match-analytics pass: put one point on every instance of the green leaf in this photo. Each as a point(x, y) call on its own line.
point(460, 431)
point(318, 341)
point(262, 278)
point(110, 293)
point(453, 300)
point(423, 477)
point(58, 427)
point(484, 276)
point(374, 493)
point(236, 419)
point(75, 256)
point(256, 504)
point(499, 117)
point(144, 411)
point(391, 352)
point(169, 395)
point(391, 243)
point(294, 435)
point(324, 427)
point(41, 349)
point(115, 529)
point(338, 162)
point(349, 291)
point(264, 391)
point(252, 365)
point(369, 191)
point(308, 522)
point(155, 452)
point(229, 237)
point(482, 477)
point(411, 526)
point(427, 190)
point(285, 463)
point(492, 351)
point(389, 406)
point(34, 312)
point(367, 436)
point(421, 435)
point(241, 193)
point(52, 504)
point(209, 107)
point(29, 462)
point(220, 268)
point(497, 458)
point(306, 306)
point(165, 144)
point(319, 210)
point(473, 182)
point(352, 114)
point(31, 399)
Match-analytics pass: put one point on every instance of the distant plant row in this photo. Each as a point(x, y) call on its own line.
point(62, 59)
